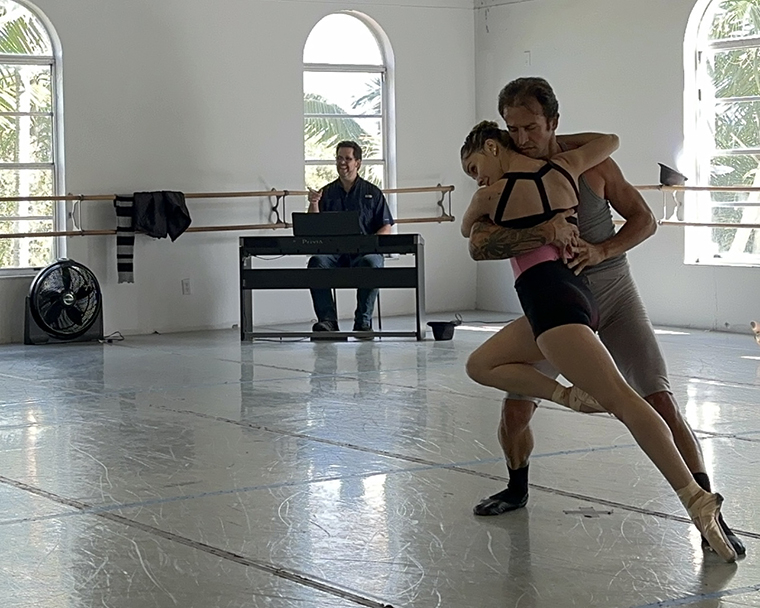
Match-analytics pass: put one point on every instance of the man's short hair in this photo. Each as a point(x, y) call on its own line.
point(350, 144)
point(521, 90)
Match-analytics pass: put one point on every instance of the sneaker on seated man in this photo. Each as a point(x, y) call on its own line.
point(325, 326)
point(365, 329)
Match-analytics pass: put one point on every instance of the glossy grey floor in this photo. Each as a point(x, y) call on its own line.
point(194, 470)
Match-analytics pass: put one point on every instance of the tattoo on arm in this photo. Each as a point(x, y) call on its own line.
point(489, 242)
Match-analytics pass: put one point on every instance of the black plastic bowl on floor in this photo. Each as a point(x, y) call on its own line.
point(443, 330)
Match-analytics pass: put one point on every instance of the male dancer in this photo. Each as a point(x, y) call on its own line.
point(531, 111)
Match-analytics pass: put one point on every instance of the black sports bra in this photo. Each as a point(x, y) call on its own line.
point(536, 176)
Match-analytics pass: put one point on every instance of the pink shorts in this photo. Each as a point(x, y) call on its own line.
point(545, 253)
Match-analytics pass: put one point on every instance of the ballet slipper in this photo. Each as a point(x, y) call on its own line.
point(704, 510)
point(576, 399)
point(756, 330)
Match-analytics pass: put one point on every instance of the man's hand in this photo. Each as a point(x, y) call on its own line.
point(565, 234)
point(586, 254)
point(314, 197)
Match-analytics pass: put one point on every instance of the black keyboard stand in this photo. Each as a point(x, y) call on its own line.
point(252, 279)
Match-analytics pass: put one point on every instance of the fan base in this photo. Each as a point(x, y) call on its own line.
point(34, 334)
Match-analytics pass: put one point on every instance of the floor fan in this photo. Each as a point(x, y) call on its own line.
point(64, 304)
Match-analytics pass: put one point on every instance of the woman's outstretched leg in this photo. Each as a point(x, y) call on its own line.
point(581, 358)
point(503, 362)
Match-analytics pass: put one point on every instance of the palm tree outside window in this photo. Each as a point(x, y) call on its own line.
point(346, 94)
point(723, 129)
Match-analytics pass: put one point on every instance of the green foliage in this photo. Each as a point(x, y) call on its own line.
point(323, 133)
point(735, 74)
point(6, 246)
point(325, 125)
point(729, 171)
point(319, 175)
point(21, 33)
point(736, 19)
point(373, 97)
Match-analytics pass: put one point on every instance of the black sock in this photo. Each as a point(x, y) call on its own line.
point(703, 480)
point(518, 480)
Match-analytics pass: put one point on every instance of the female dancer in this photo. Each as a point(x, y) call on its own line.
point(560, 312)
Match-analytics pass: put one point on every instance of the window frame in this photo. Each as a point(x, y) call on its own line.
point(56, 164)
point(358, 69)
point(700, 146)
point(385, 70)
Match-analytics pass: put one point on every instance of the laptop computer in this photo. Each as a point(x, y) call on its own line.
point(326, 223)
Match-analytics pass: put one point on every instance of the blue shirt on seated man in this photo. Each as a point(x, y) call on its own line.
point(349, 192)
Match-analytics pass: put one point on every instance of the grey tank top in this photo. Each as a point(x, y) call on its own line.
point(595, 224)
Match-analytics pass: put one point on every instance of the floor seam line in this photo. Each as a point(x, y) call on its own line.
point(284, 573)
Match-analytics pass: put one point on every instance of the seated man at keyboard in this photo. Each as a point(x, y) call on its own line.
point(349, 192)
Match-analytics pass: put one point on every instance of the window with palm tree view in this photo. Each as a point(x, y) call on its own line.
point(726, 133)
point(27, 163)
point(344, 85)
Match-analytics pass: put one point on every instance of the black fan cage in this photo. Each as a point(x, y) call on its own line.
point(65, 299)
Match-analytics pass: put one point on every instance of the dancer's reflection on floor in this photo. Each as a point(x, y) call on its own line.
point(368, 363)
point(323, 379)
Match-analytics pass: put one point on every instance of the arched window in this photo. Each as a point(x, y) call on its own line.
point(722, 109)
point(29, 136)
point(348, 96)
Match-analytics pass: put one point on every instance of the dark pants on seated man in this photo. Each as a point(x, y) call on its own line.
point(324, 305)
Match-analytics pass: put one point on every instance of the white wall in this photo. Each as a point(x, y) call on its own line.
point(616, 65)
point(200, 96)
point(205, 96)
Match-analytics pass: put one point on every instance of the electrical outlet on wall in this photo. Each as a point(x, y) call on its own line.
point(186, 287)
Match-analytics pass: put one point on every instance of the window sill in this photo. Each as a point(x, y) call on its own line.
point(746, 261)
point(18, 273)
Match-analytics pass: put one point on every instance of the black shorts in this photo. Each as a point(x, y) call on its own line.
point(552, 295)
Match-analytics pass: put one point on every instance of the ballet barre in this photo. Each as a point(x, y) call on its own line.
point(444, 212)
point(673, 219)
point(277, 208)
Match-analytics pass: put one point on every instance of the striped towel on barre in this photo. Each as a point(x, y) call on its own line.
point(125, 238)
